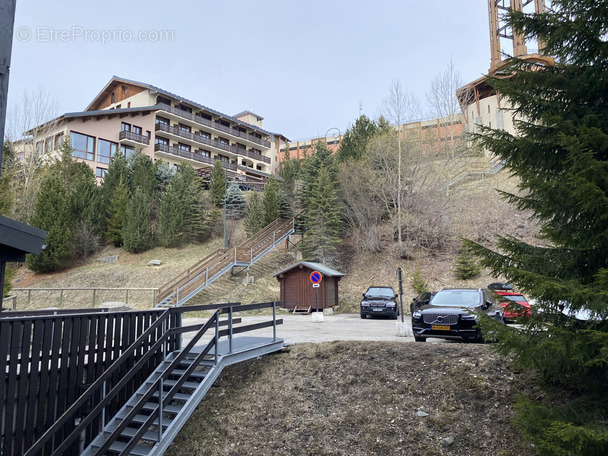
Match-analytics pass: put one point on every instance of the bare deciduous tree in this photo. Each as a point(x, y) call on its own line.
point(400, 107)
point(30, 128)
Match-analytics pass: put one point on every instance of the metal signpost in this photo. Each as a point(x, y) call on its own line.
point(400, 279)
point(315, 278)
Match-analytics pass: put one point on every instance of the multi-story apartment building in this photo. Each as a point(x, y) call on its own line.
point(127, 115)
point(429, 133)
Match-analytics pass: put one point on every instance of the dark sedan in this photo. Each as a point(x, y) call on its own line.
point(451, 314)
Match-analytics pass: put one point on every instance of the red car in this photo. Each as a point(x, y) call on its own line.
point(514, 312)
point(517, 298)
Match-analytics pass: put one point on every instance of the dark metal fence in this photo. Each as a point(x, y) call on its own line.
point(48, 361)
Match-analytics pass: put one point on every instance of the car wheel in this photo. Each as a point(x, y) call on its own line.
point(419, 339)
point(363, 316)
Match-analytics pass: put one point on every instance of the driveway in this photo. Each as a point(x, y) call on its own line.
point(298, 329)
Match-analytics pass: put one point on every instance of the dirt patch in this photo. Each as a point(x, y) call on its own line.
point(361, 398)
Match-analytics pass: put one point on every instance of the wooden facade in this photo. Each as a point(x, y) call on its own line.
point(297, 289)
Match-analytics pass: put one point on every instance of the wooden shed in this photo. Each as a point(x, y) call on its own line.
point(297, 290)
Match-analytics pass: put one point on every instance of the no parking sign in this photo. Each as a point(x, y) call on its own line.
point(315, 278)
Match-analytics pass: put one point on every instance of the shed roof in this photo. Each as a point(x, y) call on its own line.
point(326, 271)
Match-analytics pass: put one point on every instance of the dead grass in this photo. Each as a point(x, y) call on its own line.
point(357, 398)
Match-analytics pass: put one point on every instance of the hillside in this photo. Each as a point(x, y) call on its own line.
point(475, 212)
point(357, 398)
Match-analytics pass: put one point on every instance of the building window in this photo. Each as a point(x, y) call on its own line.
point(101, 172)
point(185, 128)
point(161, 140)
point(204, 134)
point(58, 140)
point(204, 116)
point(223, 141)
point(137, 130)
point(163, 100)
point(48, 144)
point(127, 151)
point(148, 134)
point(124, 126)
point(83, 146)
point(105, 151)
point(185, 108)
point(163, 121)
point(183, 147)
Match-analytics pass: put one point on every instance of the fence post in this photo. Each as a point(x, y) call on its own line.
point(127, 297)
point(217, 334)
point(230, 330)
point(29, 296)
point(274, 321)
point(94, 290)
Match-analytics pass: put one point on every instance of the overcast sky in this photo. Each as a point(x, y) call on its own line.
point(305, 66)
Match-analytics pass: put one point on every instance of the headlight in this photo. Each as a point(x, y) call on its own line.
point(364, 303)
point(390, 304)
point(417, 315)
point(468, 317)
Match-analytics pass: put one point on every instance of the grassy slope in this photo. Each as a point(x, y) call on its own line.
point(357, 398)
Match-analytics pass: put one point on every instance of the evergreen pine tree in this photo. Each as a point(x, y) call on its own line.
point(117, 170)
point(142, 174)
point(117, 212)
point(560, 155)
point(170, 218)
point(270, 202)
point(234, 202)
point(465, 265)
point(323, 221)
point(354, 143)
point(217, 184)
point(51, 213)
point(254, 215)
point(136, 234)
point(285, 209)
point(418, 283)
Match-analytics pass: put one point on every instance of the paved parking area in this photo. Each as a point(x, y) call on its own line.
point(301, 328)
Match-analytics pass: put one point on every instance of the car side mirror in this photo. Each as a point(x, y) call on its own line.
point(363, 294)
point(487, 304)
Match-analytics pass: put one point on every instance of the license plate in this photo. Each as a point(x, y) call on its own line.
point(440, 328)
point(377, 309)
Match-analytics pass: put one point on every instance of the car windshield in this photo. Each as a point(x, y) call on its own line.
point(456, 298)
point(380, 292)
point(516, 298)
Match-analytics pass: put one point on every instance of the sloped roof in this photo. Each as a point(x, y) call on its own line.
point(117, 79)
point(326, 271)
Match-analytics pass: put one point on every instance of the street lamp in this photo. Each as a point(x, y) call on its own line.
point(333, 128)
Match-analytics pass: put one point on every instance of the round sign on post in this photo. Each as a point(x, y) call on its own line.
point(315, 278)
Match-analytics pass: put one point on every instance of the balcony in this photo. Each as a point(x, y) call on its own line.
point(176, 131)
point(254, 171)
point(173, 150)
point(133, 139)
point(216, 126)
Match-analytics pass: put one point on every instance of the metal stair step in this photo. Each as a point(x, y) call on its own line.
point(189, 385)
point(141, 419)
point(166, 409)
point(176, 397)
point(148, 435)
point(195, 374)
point(138, 450)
